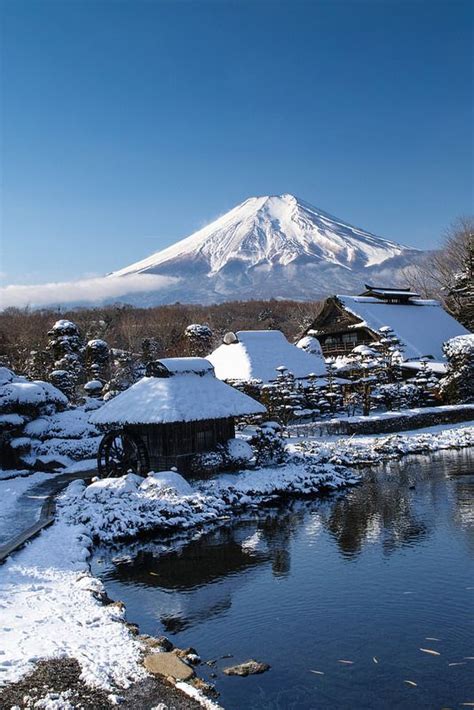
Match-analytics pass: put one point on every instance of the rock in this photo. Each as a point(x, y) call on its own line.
point(184, 652)
point(206, 688)
point(156, 643)
point(133, 628)
point(168, 665)
point(193, 659)
point(250, 667)
point(165, 643)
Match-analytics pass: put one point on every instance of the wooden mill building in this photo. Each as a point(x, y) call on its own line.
point(178, 410)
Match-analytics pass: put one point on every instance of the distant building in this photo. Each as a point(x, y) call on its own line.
point(250, 355)
point(421, 325)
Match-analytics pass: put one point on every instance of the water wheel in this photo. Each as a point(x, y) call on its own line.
point(120, 452)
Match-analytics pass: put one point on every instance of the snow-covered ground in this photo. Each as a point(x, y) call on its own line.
point(356, 450)
point(48, 608)
point(50, 604)
point(115, 508)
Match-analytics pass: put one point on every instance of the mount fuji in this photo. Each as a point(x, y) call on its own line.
point(271, 247)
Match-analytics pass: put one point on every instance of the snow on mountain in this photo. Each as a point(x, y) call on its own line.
point(273, 246)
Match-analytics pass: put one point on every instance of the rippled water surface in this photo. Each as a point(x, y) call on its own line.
point(370, 576)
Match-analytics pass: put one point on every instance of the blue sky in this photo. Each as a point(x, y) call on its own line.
point(127, 125)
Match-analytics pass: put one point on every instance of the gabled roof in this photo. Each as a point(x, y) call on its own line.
point(421, 325)
point(256, 354)
point(180, 396)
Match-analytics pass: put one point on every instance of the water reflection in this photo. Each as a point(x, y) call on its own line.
point(376, 512)
point(206, 572)
point(370, 571)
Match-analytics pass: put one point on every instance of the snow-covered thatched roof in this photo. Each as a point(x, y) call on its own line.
point(185, 390)
point(256, 354)
point(422, 325)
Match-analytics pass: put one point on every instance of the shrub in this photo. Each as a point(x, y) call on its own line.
point(268, 444)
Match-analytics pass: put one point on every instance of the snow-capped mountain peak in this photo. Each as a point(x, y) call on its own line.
point(275, 229)
point(263, 246)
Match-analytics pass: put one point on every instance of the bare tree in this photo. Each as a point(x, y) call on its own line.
point(448, 274)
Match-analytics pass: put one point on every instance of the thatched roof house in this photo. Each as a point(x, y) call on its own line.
point(421, 325)
point(256, 354)
point(179, 409)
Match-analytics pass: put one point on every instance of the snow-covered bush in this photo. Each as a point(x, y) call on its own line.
point(268, 445)
point(199, 338)
point(31, 398)
point(20, 402)
point(94, 388)
point(236, 454)
point(310, 345)
point(458, 385)
point(207, 463)
point(37, 426)
point(66, 381)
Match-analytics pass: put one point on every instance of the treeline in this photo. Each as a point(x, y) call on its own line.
point(126, 328)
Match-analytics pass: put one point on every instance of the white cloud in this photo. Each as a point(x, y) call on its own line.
point(85, 290)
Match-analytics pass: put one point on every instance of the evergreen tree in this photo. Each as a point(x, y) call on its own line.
point(284, 397)
point(38, 364)
point(461, 293)
point(67, 349)
point(268, 444)
point(97, 360)
point(126, 370)
point(427, 386)
point(199, 338)
point(151, 349)
point(458, 385)
point(65, 381)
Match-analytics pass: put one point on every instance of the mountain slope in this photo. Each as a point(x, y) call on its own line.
point(273, 246)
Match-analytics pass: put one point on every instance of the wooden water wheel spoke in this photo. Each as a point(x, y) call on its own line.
point(121, 451)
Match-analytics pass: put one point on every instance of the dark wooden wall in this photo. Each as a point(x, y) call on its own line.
point(174, 444)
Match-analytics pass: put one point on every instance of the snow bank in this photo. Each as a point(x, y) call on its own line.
point(50, 607)
point(123, 507)
point(355, 451)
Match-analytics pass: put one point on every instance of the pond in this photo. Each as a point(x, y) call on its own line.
point(370, 576)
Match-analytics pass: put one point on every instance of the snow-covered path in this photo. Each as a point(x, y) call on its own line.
point(22, 498)
point(48, 608)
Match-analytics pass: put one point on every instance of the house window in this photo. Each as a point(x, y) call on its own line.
point(349, 338)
